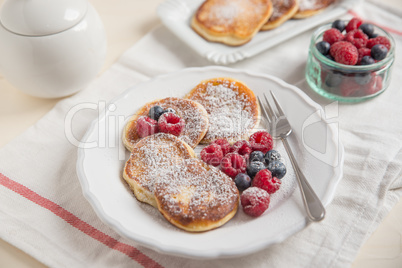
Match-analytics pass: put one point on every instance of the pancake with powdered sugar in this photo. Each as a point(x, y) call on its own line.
point(151, 158)
point(283, 10)
point(308, 8)
point(232, 22)
point(196, 197)
point(232, 108)
point(190, 194)
point(193, 113)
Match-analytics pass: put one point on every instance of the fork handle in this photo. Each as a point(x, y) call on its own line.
point(315, 209)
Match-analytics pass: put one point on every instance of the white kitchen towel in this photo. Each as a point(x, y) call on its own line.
point(43, 211)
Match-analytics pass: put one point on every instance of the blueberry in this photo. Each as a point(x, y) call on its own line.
point(243, 181)
point(333, 79)
point(373, 35)
point(254, 167)
point(272, 156)
point(277, 168)
point(367, 60)
point(257, 156)
point(379, 52)
point(339, 24)
point(367, 28)
point(323, 47)
point(155, 112)
point(362, 78)
point(170, 110)
point(330, 57)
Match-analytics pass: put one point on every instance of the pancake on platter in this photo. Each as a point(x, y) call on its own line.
point(308, 8)
point(283, 10)
point(231, 22)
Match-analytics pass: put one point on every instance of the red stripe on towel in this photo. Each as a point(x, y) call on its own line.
point(354, 14)
point(76, 222)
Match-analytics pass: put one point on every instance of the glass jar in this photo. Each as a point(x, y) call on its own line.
point(347, 83)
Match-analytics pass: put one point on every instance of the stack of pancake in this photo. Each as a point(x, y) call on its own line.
point(163, 170)
point(236, 22)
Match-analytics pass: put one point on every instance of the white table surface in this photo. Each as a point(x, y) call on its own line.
point(126, 21)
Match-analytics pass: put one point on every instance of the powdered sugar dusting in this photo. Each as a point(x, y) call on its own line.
point(155, 156)
point(255, 191)
point(231, 114)
point(308, 4)
point(313, 4)
point(232, 12)
point(281, 7)
point(226, 12)
point(193, 190)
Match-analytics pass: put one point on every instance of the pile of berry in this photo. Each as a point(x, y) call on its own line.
point(256, 169)
point(359, 45)
point(352, 43)
point(160, 120)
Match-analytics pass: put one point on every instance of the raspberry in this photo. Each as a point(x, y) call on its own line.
point(344, 53)
point(233, 164)
point(332, 36)
point(374, 85)
point(353, 24)
point(171, 123)
point(242, 148)
point(265, 181)
point(254, 201)
point(349, 88)
point(379, 40)
point(146, 126)
point(212, 154)
point(225, 146)
point(261, 141)
point(357, 38)
point(363, 52)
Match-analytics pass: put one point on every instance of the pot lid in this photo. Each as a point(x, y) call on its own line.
point(41, 17)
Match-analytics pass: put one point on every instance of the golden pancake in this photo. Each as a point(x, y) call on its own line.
point(308, 8)
point(193, 113)
point(283, 10)
point(190, 194)
point(232, 22)
point(150, 158)
point(196, 197)
point(232, 108)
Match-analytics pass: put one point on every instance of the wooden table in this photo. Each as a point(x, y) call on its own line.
point(126, 22)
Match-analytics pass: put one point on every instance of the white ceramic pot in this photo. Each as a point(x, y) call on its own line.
point(50, 48)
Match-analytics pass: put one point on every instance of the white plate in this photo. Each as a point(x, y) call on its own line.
point(177, 14)
point(100, 169)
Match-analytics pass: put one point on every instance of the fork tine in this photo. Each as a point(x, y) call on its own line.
point(270, 110)
point(278, 106)
point(264, 111)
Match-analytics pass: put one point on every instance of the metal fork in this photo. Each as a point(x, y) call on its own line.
point(281, 129)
